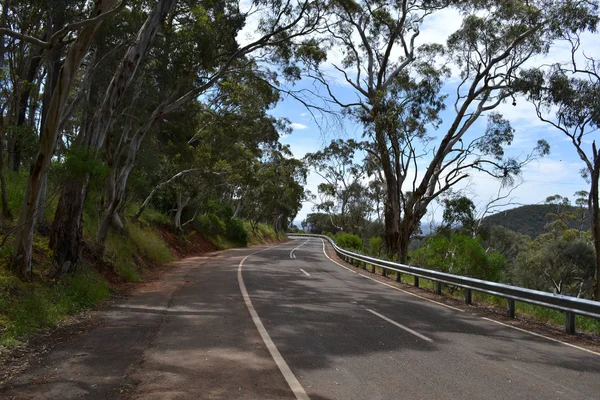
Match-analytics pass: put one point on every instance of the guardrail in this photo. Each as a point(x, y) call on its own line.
point(571, 306)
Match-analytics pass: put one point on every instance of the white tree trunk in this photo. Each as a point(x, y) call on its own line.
point(48, 137)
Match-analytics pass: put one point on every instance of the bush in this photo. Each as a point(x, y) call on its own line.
point(348, 241)
point(211, 225)
point(375, 244)
point(460, 255)
point(236, 231)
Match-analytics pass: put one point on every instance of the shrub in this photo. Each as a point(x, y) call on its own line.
point(375, 243)
point(211, 225)
point(348, 241)
point(236, 231)
point(460, 255)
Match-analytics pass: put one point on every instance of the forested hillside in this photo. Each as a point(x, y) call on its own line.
point(531, 220)
point(130, 130)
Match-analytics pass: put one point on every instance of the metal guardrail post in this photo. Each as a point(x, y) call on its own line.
point(438, 288)
point(468, 297)
point(383, 271)
point(569, 322)
point(398, 277)
point(510, 308)
point(416, 283)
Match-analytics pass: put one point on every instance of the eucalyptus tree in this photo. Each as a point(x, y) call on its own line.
point(75, 53)
point(399, 99)
point(221, 149)
point(567, 97)
point(277, 197)
point(211, 29)
point(342, 190)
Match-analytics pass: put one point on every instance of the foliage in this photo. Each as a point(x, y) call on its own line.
point(349, 241)
point(236, 231)
point(460, 255)
point(459, 213)
point(211, 225)
point(529, 220)
point(27, 307)
point(375, 246)
point(318, 223)
point(261, 233)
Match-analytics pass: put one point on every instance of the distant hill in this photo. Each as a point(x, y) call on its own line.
point(527, 220)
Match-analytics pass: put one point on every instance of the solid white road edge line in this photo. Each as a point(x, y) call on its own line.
point(458, 309)
point(407, 329)
point(305, 273)
point(283, 367)
point(542, 336)
point(292, 255)
point(390, 286)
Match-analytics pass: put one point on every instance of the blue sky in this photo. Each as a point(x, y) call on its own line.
point(557, 173)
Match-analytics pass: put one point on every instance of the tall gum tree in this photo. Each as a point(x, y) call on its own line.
point(67, 228)
point(398, 90)
point(76, 52)
point(282, 23)
point(567, 97)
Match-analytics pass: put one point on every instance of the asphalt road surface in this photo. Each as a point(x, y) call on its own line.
point(287, 322)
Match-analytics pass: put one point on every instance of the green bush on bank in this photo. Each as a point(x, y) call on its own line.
point(460, 255)
point(349, 241)
point(211, 225)
point(236, 231)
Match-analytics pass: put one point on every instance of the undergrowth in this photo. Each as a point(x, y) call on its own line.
point(27, 307)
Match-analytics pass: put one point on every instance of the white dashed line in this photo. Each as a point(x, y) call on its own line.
point(304, 272)
point(458, 309)
point(407, 329)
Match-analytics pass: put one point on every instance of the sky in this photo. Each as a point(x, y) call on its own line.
point(557, 173)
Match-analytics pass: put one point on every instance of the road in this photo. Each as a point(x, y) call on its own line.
point(286, 322)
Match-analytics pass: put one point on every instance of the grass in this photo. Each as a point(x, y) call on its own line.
point(128, 251)
point(262, 234)
point(28, 307)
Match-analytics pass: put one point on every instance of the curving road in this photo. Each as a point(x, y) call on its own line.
point(287, 322)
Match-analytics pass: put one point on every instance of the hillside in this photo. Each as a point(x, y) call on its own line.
point(528, 220)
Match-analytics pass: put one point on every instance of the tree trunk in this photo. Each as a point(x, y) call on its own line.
point(94, 138)
point(67, 233)
point(6, 214)
point(41, 207)
point(160, 186)
point(595, 217)
point(181, 203)
point(407, 227)
point(48, 138)
point(391, 218)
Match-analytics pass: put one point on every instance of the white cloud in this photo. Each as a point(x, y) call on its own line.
point(298, 126)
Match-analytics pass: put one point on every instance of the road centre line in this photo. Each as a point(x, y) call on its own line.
point(287, 373)
point(407, 329)
point(292, 255)
point(305, 273)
